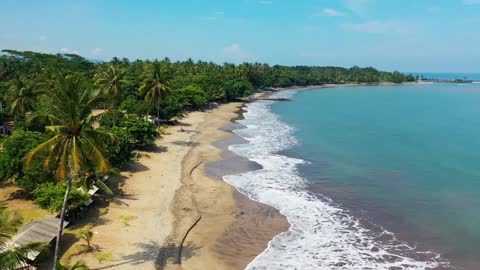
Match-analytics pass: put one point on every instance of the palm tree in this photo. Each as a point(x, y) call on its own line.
point(12, 255)
point(24, 95)
point(111, 82)
point(75, 146)
point(9, 221)
point(155, 86)
point(87, 236)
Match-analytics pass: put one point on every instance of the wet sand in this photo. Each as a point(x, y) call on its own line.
point(233, 229)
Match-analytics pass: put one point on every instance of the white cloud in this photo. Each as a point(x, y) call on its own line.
point(265, 2)
point(471, 2)
point(330, 12)
point(232, 49)
point(75, 52)
point(64, 50)
point(96, 51)
point(235, 52)
point(43, 38)
point(378, 27)
point(359, 7)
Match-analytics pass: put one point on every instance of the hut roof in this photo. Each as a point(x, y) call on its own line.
point(43, 230)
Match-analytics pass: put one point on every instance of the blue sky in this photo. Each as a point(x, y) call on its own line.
point(405, 35)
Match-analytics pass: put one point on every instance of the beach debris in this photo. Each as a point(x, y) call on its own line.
point(179, 258)
point(196, 166)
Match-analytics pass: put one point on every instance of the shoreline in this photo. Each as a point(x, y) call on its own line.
point(233, 229)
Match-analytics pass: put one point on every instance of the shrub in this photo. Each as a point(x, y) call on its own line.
point(34, 176)
point(120, 150)
point(237, 87)
point(142, 132)
point(134, 106)
point(191, 96)
point(50, 196)
point(14, 149)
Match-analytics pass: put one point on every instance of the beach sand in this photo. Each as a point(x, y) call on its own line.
point(166, 191)
point(131, 232)
point(232, 230)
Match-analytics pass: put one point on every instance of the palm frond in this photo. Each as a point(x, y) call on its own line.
point(95, 156)
point(13, 256)
point(41, 149)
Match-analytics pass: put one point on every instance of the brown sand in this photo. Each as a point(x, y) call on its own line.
point(132, 232)
point(233, 230)
point(16, 199)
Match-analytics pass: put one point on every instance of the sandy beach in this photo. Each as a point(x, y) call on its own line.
point(165, 192)
point(232, 230)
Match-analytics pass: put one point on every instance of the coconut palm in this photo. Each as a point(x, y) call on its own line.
point(155, 86)
point(111, 82)
point(87, 236)
point(24, 95)
point(12, 255)
point(9, 221)
point(75, 146)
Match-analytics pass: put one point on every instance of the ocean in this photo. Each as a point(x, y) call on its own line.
point(370, 177)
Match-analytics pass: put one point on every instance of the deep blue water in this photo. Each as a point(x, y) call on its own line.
point(403, 157)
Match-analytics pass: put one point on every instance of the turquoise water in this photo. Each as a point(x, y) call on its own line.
point(403, 157)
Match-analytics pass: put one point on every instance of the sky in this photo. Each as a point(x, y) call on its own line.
point(403, 35)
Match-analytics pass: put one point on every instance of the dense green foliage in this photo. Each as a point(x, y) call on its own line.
point(50, 196)
point(11, 159)
point(166, 88)
point(120, 150)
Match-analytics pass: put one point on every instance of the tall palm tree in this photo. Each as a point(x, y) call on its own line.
point(110, 80)
point(11, 255)
point(75, 146)
point(155, 86)
point(24, 95)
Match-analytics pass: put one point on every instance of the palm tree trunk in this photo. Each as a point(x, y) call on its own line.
point(113, 114)
point(56, 257)
point(158, 115)
point(148, 112)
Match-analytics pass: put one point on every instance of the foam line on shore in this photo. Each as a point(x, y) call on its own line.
point(322, 235)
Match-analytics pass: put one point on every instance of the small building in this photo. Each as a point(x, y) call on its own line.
point(43, 231)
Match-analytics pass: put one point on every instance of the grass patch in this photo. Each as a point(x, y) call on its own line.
point(127, 219)
point(103, 256)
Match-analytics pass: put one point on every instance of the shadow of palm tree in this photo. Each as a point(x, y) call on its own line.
point(153, 252)
point(182, 143)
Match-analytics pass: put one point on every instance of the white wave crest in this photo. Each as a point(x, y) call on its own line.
point(321, 235)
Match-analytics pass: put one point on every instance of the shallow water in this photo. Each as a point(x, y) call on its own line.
point(369, 177)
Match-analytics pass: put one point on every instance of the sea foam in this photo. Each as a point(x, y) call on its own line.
point(322, 235)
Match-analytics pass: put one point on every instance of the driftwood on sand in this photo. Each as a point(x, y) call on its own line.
point(179, 258)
